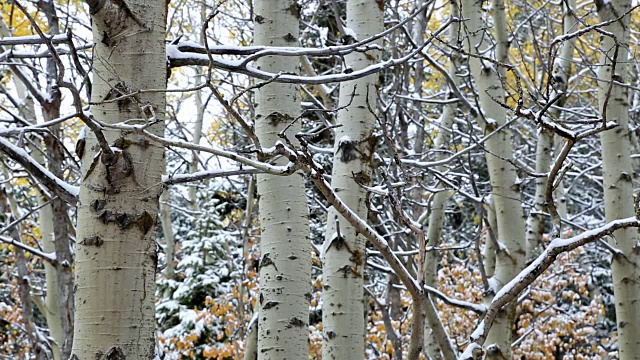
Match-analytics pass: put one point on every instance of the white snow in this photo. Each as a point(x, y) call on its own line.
point(350, 32)
point(70, 189)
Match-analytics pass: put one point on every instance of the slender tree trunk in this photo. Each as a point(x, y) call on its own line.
point(118, 207)
point(438, 203)
point(285, 265)
point(60, 307)
point(55, 156)
point(52, 307)
point(64, 267)
point(343, 254)
point(197, 127)
point(167, 231)
point(505, 191)
point(490, 232)
point(617, 172)
point(251, 349)
point(544, 147)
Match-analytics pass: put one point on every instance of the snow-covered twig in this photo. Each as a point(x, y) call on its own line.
point(262, 166)
point(527, 276)
point(206, 174)
point(51, 257)
point(67, 192)
point(478, 309)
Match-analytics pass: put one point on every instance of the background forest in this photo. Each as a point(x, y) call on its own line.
point(337, 179)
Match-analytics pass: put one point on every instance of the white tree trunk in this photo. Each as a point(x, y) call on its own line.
point(167, 231)
point(505, 191)
point(118, 207)
point(544, 147)
point(285, 265)
point(490, 232)
point(343, 254)
point(617, 173)
point(51, 309)
point(197, 127)
point(52, 304)
point(438, 203)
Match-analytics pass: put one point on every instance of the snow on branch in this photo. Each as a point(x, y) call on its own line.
point(287, 169)
point(50, 257)
point(177, 57)
point(476, 308)
point(207, 174)
point(526, 277)
point(65, 191)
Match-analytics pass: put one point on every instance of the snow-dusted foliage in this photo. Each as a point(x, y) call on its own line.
point(199, 310)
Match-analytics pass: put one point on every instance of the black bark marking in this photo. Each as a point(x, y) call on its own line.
point(269, 305)
point(97, 205)
point(277, 118)
point(115, 353)
point(290, 38)
point(120, 167)
point(266, 261)
point(92, 241)
point(120, 90)
point(348, 150)
point(345, 270)
point(296, 322)
point(361, 178)
point(144, 221)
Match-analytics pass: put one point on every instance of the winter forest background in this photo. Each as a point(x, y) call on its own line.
point(322, 179)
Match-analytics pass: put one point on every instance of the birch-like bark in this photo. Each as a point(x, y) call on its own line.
point(167, 231)
point(438, 203)
point(55, 157)
point(343, 252)
point(62, 297)
point(118, 205)
point(251, 347)
point(490, 232)
point(197, 127)
point(544, 146)
point(613, 101)
point(285, 264)
point(502, 174)
point(51, 308)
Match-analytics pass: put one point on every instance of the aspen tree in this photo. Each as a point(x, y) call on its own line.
point(343, 252)
point(438, 203)
point(502, 173)
point(613, 101)
point(544, 145)
point(285, 263)
point(121, 184)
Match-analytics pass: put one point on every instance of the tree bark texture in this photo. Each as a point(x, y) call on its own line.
point(505, 191)
point(613, 100)
point(118, 207)
point(343, 252)
point(285, 264)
